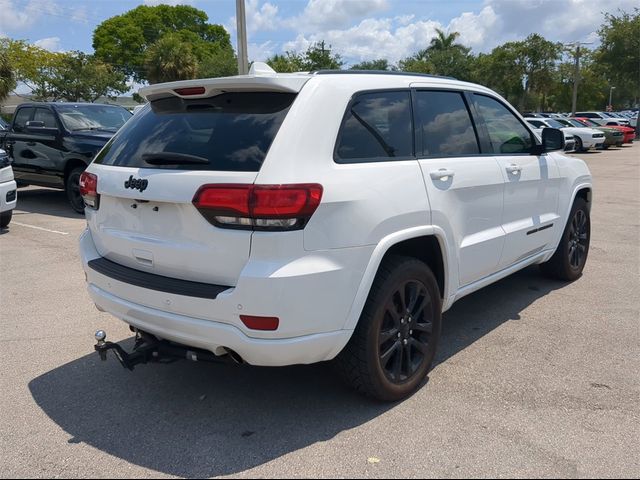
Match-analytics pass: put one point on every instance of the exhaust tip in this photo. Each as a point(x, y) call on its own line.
point(237, 359)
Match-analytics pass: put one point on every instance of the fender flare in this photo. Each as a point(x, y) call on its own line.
point(450, 273)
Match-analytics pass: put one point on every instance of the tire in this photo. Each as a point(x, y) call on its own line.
point(72, 189)
point(392, 348)
point(569, 259)
point(579, 147)
point(5, 218)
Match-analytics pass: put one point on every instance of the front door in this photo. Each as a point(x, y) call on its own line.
point(532, 183)
point(465, 187)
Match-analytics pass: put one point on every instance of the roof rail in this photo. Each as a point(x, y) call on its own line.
point(378, 72)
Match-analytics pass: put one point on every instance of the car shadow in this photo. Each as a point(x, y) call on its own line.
point(44, 201)
point(202, 420)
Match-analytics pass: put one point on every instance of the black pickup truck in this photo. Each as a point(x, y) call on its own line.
point(52, 143)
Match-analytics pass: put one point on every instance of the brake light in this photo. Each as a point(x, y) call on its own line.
point(260, 323)
point(258, 207)
point(185, 92)
point(89, 190)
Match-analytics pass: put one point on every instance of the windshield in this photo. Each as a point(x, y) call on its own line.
point(108, 118)
point(229, 132)
point(577, 123)
point(554, 123)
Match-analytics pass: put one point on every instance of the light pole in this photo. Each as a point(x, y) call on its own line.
point(241, 20)
point(610, 107)
point(576, 75)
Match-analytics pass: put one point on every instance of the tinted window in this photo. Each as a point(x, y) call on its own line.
point(377, 127)
point(536, 123)
point(230, 132)
point(445, 125)
point(46, 116)
point(107, 118)
point(506, 133)
point(22, 117)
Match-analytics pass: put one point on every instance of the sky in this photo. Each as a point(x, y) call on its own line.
point(356, 29)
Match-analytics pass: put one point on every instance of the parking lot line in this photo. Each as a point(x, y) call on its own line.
point(39, 228)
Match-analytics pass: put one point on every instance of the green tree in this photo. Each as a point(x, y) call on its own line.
point(619, 55)
point(78, 76)
point(446, 41)
point(170, 59)
point(381, 64)
point(7, 78)
point(124, 40)
point(317, 57)
point(442, 57)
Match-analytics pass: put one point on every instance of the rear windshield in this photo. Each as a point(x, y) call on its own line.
point(228, 132)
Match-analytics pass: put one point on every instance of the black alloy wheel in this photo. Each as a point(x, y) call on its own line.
point(394, 343)
point(405, 332)
point(72, 189)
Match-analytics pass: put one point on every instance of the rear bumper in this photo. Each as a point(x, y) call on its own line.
point(215, 336)
point(311, 295)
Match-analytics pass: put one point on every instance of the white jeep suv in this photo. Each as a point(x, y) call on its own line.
point(8, 190)
point(297, 218)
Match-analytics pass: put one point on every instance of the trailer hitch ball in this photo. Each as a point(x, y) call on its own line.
point(101, 336)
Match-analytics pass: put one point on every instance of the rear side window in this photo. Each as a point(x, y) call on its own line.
point(228, 132)
point(378, 126)
point(506, 133)
point(46, 116)
point(445, 125)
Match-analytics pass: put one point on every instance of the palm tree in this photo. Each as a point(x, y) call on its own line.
point(7, 80)
point(445, 41)
point(170, 59)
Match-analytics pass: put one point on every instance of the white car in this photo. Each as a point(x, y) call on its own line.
point(280, 219)
point(604, 118)
point(569, 139)
point(585, 138)
point(8, 190)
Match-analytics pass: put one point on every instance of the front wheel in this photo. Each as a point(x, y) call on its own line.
point(72, 188)
point(579, 147)
point(394, 344)
point(570, 257)
point(5, 218)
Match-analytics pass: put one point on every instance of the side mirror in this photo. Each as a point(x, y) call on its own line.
point(552, 139)
point(35, 124)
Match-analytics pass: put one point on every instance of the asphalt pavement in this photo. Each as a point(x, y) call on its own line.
point(534, 378)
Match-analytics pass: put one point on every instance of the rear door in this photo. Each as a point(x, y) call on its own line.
point(147, 181)
point(465, 186)
point(532, 182)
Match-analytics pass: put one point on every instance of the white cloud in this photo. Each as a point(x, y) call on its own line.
point(261, 18)
point(153, 3)
point(320, 15)
point(80, 15)
point(261, 52)
point(52, 44)
point(15, 17)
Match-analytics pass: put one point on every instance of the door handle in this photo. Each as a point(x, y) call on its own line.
point(514, 169)
point(441, 174)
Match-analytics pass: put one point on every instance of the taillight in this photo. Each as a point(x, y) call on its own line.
point(258, 207)
point(89, 190)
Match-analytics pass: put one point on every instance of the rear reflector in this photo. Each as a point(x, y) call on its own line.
point(258, 207)
point(260, 323)
point(190, 91)
point(89, 190)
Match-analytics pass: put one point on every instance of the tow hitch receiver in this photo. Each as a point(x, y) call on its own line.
point(149, 349)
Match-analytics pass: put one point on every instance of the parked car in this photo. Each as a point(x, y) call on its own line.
point(627, 134)
point(585, 138)
point(569, 140)
point(52, 143)
point(603, 119)
point(280, 219)
point(8, 190)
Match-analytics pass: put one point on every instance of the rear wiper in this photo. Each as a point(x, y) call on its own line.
point(170, 158)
